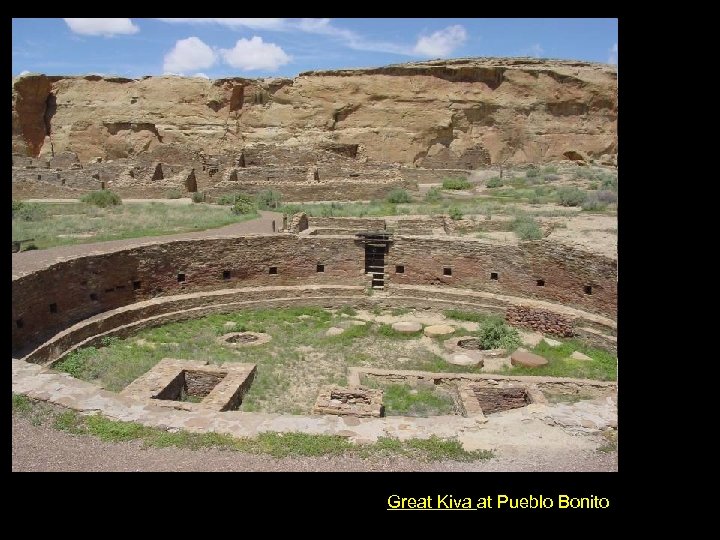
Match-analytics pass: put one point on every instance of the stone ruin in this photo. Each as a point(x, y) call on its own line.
point(193, 385)
point(355, 401)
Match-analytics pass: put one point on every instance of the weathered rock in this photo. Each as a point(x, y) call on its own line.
point(577, 355)
point(527, 359)
point(552, 342)
point(334, 331)
point(229, 325)
point(491, 114)
point(407, 327)
point(438, 330)
point(465, 359)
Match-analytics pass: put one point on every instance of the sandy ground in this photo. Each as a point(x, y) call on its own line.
point(596, 233)
point(46, 449)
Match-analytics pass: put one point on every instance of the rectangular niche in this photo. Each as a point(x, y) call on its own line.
point(540, 282)
point(273, 270)
point(588, 289)
point(320, 268)
point(226, 274)
point(400, 269)
point(136, 285)
point(447, 271)
point(193, 385)
point(181, 278)
point(494, 276)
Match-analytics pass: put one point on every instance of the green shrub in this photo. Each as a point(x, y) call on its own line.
point(550, 169)
point(398, 195)
point(456, 183)
point(102, 198)
point(532, 173)
point(495, 182)
point(495, 334)
point(198, 197)
point(30, 247)
point(174, 194)
point(599, 200)
point(526, 228)
point(24, 211)
point(243, 204)
point(455, 213)
point(268, 199)
point(610, 182)
point(551, 178)
point(571, 196)
point(433, 195)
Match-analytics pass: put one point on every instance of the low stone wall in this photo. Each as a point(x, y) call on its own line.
point(541, 320)
point(419, 226)
point(347, 223)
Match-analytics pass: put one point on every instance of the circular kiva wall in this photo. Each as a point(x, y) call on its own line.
point(76, 301)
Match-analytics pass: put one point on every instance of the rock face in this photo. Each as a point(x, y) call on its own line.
point(407, 327)
point(438, 330)
point(527, 359)
point(461, 114)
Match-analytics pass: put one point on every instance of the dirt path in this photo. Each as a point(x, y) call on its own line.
point(46, 449)
point(28, 261)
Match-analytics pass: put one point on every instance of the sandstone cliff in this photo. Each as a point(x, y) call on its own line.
point(463, 113)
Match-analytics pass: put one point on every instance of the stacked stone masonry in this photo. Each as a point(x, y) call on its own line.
point(85, 286)
point(540, 320)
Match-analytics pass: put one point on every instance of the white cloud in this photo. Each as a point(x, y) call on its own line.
point(188, 55)
point(249, 54)
point(102, 27)
point(201, 75)
point(613, 58)
point(441, 43)
point(23, 72)
point(534, 50)
point(257, 24)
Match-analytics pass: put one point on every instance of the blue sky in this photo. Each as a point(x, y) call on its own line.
point(285, 47)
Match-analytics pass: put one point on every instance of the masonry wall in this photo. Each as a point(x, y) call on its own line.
point(82, 287)
point(565, 271)
point(120, 278)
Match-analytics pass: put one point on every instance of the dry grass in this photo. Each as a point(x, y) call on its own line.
point(78, 223)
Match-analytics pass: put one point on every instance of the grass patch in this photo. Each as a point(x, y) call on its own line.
point(526, 228)
point(59, 224)
point(603, 365)
point(611, 436)
point(102, 198)
point(571, 196)
point(278, 445)
point(402, 400)
point(387, 331)
point(398, 195)
point(292, 366)
point(466, 315)
point(268, 199)
point(494, 333)
point(456, 183)
point(21, 403)
point(348, 310)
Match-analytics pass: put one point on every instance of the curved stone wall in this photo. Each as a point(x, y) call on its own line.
point(218, 271)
